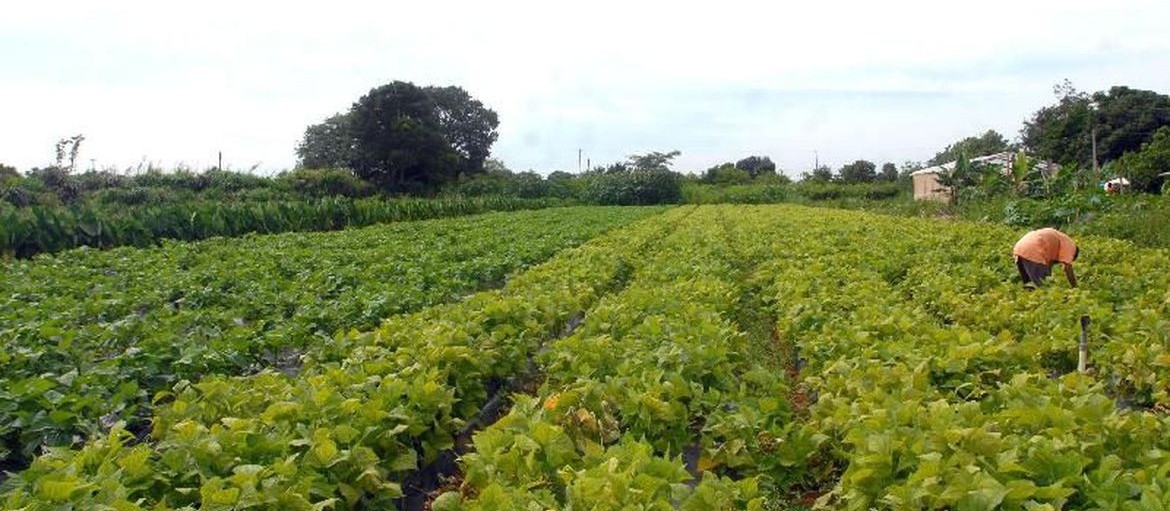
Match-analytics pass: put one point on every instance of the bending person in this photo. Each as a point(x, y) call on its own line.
point(1039, 250)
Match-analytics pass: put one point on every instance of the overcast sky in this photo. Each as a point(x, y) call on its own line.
point(169, 83)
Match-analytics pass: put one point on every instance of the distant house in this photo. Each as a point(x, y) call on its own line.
point(927, 186)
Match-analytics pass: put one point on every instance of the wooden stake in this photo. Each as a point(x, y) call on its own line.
point(1083, 355)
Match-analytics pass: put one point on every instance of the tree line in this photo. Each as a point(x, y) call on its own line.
point(404, 139)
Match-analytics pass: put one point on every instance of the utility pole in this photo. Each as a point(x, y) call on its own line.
point(1096, 166)
point(1093, 134)
point(578, 161)
point(816, 160)
point(588, 164)
point(219, 166)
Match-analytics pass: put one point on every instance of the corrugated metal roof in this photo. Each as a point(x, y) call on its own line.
point(1005, 159)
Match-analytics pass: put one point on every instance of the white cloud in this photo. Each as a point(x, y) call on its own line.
point(884, 81)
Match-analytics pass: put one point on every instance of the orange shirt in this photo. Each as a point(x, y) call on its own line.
point(1046, 246)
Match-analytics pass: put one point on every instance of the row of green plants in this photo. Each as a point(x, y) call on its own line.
point(363, 414)
point(27, 231)
point(783, 192)
point(656, 402)
point(87, 338)
point(941, 383)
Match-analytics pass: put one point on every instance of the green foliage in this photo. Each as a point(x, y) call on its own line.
point(654, 369)
point(325, 182)
point(329, 144)
point(817, 191)
point(1141, 220)
point(38, 229)
point(889, 173)
point(756, 166)
point(727, 174)
point(778, 191)
point(58, 181)
point(635, 187)
point(366, 410)
point(213, 183)
point(1123, 119)
point(1144, 168)
point(696, 193)
point(7, 172)
point(990, 142)
point(715, 357)
point(969, 180)
point(89, 337)
point(653, 160)
point(940, 379)
point(398, 144)
point(1127, 119)
point(1061, 132)
point(822, 174)
point(467, 126)
point(404, 138)
point(520, 184)
point(860, 171)
point(136, 196)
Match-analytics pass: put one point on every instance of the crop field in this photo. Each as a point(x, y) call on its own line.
point(696, 358)
point(87, 338)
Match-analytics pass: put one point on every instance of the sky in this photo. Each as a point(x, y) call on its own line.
point(169, 84)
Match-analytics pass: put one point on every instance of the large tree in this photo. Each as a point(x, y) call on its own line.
point(466, 124)
point(1127, 118)
point(756, 166)
point(727, 173)
point(329, 144)
point(889, 173)
point(860, 171)
point(1060, 132)
point(821, 174)
point(1123, 119)
point(990, 142)
point(397, 139)
point(653, 160)
point(405, 138)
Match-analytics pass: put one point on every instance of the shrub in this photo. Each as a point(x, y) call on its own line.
point(91, 181)
point(319, 183)
point(1143, 167)
point(638, 187)
point(136, 196)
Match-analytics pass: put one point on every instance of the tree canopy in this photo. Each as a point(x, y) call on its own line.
point(653, 160)
point(990, 142)
point(756, 166)
point(860, 171)
point(1128, 118)
point(821, 174)
point(727, 174)
point(1123, 118)
point(328, 144)
point(405, 138)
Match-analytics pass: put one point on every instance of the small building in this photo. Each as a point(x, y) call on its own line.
point(927, 186)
